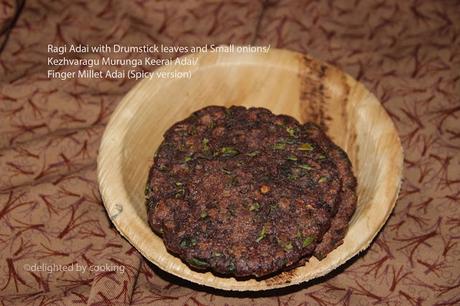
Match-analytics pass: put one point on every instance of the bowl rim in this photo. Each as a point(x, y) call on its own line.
point(127, 227)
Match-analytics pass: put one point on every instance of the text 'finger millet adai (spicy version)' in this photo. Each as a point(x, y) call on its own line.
point(246, 193)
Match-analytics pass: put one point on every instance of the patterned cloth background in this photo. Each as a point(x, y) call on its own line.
point(406, 52)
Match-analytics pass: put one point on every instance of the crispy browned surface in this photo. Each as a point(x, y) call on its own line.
point(346, 202)
point(244, 192)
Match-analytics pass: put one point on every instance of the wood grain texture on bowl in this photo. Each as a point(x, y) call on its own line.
point(284, 82)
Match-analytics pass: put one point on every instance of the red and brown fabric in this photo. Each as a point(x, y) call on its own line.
point(406, 52)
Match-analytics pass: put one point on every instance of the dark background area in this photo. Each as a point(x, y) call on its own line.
point(406, 52)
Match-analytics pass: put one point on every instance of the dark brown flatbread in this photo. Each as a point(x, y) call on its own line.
point(346, 202)
point(244, 192)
